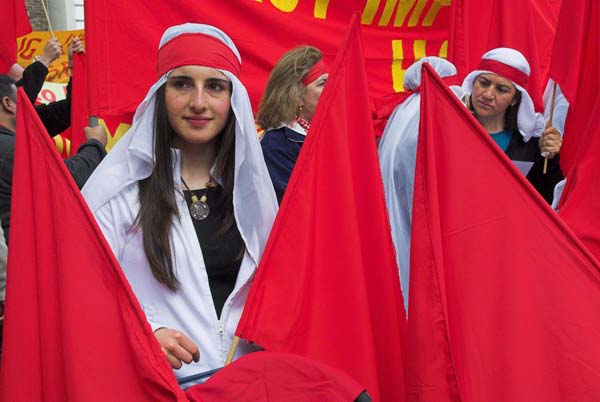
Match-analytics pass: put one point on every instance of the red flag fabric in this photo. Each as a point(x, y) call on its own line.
point(73, 329)
point(527, 26)
point(327, 286)
point(15, 23)
point(504, 299)
point(79, 101)
point(122, 35)
point(576, 68)
point(276, 377)
point(581, 196)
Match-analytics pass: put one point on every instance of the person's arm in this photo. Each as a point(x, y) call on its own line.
point(33, 80)
point(56, 116)
point(89, 155)
point(35, 74)
point(3, 258)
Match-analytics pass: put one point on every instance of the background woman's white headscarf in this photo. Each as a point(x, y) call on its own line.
point(397, 156)
point(132, 158)
point(530, 123)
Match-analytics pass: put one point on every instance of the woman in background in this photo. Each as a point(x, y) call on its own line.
point(287, 108)
point(501, 104)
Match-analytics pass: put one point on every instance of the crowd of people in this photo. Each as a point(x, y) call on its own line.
point(187, 197)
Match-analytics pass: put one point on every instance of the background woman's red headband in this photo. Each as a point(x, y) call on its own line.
point(315, 72)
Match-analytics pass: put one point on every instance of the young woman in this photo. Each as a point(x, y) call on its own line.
point(185, 201)
point(287, 108)
point(501, 104)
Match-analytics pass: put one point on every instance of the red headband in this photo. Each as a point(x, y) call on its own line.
point(497, 67)
point(315, 72)
point(197, 49)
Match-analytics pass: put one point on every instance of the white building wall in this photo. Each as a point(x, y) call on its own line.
point(66, 15)
point(79, 20)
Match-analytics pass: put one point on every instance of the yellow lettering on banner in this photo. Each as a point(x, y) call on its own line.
point(416, 14)
point(402, 12)
point(433, 11)
point(397, 71)
point(33, 44)
point(369, 12)
point(321, 9)
point(444, 50)
point(419, 49)
point(285, 5)
point(390, 5)
point(116, 136)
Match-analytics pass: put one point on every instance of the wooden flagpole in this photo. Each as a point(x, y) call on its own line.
point(47, 18)
point(550, 121)
point(232, 349)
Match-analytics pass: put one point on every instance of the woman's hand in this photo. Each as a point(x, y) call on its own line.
point(177, 347)
point(550, 142)
point(76, 46)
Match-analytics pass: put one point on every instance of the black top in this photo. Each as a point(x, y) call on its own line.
point(33, 80)
point(55, 116)
point(519, 150)
point(222, 252)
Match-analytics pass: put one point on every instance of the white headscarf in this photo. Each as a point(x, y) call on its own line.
point(397, 156)
point(132, 158)
point(530, 123)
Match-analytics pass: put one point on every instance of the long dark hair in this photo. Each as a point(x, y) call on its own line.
point(158, 206)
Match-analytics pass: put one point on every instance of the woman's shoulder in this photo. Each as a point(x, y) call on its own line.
point(274, 134)
point(282, 135)
point(123, 202)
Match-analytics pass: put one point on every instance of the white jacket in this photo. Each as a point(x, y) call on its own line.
point(190, 308)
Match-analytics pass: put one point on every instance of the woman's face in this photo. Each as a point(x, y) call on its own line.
point(198, 101)
point(312, 92)
point(492, 95)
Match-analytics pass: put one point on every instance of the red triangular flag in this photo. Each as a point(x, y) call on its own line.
point(527, 26)
point(504, 299)
point(576, 68)
point(73, 330)
point(580, 202)
point(15, 23)
point(79, 102)
point(328, 287)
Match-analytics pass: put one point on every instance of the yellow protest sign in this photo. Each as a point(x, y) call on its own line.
point(32, 45)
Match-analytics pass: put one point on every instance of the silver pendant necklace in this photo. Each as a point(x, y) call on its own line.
point(199, 209)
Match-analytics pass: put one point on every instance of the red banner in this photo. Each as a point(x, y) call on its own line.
point(123, 36)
